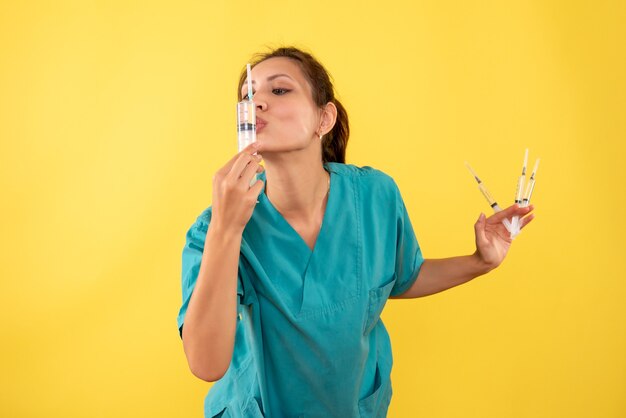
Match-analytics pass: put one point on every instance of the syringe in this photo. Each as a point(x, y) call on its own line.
point(518, 193)
point(492, 202)
point(530, 186)
point(246, 120)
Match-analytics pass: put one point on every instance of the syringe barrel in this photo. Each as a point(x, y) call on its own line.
point(246, 127)
point(529, 192)
point(487, 195)
point(519, 190)
point(246, 123)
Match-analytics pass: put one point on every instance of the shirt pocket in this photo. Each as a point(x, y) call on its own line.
point(376, 404)
point(376, 302)
point(251, 409)
point(236, 390)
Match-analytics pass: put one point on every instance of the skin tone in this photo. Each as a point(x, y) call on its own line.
point(296, 183)
point(288, 128)
point(492, 245)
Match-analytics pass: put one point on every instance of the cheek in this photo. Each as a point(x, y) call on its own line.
point(307, 126)
point(299, 124)
point(308, 123)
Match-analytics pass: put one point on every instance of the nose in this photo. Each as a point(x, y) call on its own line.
point(260, 103)
point(260, 100)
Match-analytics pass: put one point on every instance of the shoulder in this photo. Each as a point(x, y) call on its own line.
point(203, 220)
point(365, 177)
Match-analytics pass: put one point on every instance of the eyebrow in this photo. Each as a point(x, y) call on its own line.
point(272, 77)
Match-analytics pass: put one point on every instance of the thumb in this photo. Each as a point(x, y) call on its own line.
point(479, 227)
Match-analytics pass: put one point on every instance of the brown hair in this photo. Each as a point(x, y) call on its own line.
point(335, 142)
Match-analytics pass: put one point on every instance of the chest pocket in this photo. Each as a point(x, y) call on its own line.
point(377, 300)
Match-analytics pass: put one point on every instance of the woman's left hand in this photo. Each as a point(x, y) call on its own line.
point(493, 240)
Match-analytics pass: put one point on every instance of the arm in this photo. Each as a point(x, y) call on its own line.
point(210, 322)
point(492, 245)
point(437, 275)
point(209, 330)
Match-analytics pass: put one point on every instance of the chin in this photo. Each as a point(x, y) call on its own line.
point(278, 146)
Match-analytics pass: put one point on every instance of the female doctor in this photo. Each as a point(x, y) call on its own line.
point(284, 281)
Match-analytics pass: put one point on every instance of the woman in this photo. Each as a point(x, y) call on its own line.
point(284, 281)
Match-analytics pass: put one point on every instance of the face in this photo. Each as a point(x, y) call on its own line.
point(287, 117)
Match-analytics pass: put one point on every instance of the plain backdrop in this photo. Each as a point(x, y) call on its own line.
point(114, 116)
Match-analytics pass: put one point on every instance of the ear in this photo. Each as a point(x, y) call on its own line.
point(328, 118)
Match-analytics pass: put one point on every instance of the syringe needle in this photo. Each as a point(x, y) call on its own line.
point(472, 172)
point(249, 74)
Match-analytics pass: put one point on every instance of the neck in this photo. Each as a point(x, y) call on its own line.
point(297, 187)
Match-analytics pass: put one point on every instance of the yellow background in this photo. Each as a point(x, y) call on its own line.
point(115, 115)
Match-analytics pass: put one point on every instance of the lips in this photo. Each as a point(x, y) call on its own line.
point(260, 124)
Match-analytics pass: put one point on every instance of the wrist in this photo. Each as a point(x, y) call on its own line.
point(479, 265)
point(225, 233)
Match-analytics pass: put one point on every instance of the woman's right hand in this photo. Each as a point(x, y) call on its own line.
point(233, 197)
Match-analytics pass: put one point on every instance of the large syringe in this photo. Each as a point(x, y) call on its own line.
point(246, 119)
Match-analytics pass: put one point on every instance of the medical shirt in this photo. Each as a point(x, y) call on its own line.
point(309, 341)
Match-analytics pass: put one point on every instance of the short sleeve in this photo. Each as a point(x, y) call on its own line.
point(192, 257)
point(408, 253)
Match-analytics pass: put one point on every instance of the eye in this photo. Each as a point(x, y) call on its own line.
point(280, 92)
point(246, 96)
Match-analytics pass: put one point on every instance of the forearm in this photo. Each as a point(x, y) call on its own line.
point(209, 330)
point(437, 275)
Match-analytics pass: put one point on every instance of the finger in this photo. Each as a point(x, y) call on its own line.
point(241, 163)
point(508, 213)
point(479, 229)
point(502, 229)
point(256, 189)
point(526, 220)
point(250, 149)
point(249, 172)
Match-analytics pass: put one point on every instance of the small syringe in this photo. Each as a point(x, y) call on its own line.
point(530, 186)
point(492, 202)
point(518, 193)
point(246, 120)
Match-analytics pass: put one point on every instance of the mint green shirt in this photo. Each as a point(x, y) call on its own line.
point(309, 341)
